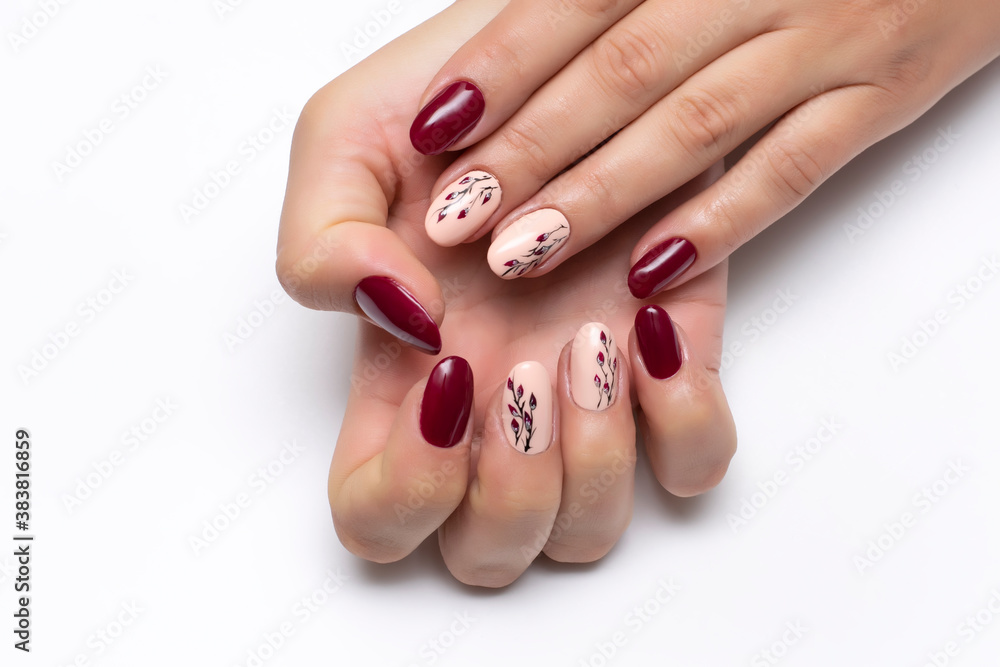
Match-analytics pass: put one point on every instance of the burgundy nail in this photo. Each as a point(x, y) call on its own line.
point(661, 266)
point(658, 344)
point(446, 118)
point(395, 310)
point(447, 402)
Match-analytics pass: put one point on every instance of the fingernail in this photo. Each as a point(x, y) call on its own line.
point(462, 208)
point(594, 367)
point(447, 402)
point(661, 266)
point(527, 414)
point(522, 246)
point(394, 309)
point(446, 118)
point(658, 344)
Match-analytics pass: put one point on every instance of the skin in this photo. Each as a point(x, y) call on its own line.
point(689, 82)
point(354, 207)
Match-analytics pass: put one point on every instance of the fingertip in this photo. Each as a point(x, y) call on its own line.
point(689, 430)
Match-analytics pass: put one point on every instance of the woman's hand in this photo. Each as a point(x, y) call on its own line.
point(537, 452)
point(682, 83)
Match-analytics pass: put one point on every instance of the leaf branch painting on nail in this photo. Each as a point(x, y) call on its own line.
point(522, 415)
point(604, 379)
point(543, 245)
point(478, 190)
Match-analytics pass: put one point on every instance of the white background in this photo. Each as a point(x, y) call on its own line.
point(190, 284)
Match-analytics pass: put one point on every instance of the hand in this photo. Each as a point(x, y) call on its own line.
point(682, 84)
point(420, 449)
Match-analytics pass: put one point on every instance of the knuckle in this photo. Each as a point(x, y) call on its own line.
point(511, 50)
point(908, 69)
point(523, 141)
point(705, 122)
point(602, 186)
point(730, 225)
point(627, 60)
point(602, 9)
point(794, 172)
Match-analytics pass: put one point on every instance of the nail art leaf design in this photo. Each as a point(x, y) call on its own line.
point(523, 412)
point(478, 190)
point(607, 374)
point(529, 260)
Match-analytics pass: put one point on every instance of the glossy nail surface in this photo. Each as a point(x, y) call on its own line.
point(661, 266)
point(527, 408)
point(447, 117)
point(658, 344)
point(593, 367)
point(447, 402)
point(522, 246)
point(462, 208)
point(394, 309)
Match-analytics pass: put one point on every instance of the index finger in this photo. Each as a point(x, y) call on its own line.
point(495, 72)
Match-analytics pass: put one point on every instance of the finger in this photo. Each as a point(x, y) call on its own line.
point(687, 425)
point(334, 249)
point(597, 432)
point(342, 181)
point(787, 164)
point(617, 78)
point(399, 471)
point(490, 77)
point(695, 125)
point(507, 514)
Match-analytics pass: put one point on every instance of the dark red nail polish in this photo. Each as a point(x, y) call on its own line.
point(395, 310)
point(661, 266)
point(658, 344)
point(447, 402)
point(448, 117)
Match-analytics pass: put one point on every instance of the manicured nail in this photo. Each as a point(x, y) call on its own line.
point(462, 208)
point(447, 402)
point(394, 309)
point(528, 401)
point(446, 118)
point(658, 344)
point(594, 367)
point(522, 246)
point(661, 266)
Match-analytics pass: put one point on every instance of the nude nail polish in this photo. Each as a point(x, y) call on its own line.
point(527, 412)
point(462, 208)
point(661, 266)
point(658, 344)
point(447, 402)
point(447, 118)
point(594, 367)
point(521, 247)
point(394, 309)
